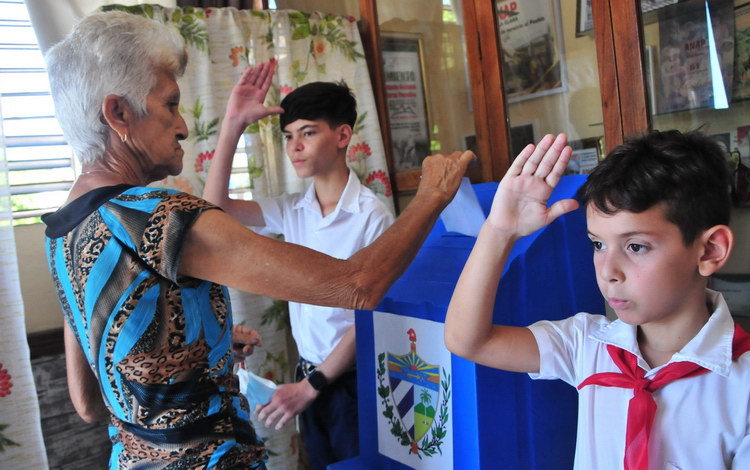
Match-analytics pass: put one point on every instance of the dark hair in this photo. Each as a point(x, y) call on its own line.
point(331, 102)
point(688, 172)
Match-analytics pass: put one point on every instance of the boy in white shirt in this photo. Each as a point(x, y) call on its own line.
point(667, 385)
point(336, 216)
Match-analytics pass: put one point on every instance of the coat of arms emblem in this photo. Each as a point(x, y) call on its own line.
point(415, 396)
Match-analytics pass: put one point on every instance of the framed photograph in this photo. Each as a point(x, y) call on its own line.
point(586, 155)
point(532, 49)
point(687, 78)
point(403, 64)
point(650, 5)
point(469, 142)
point(584, 18)
point(523, 134)
point(741, 89)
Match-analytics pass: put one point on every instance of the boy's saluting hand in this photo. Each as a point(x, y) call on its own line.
point(519, 208)
point(246, 101)
point(520, 204)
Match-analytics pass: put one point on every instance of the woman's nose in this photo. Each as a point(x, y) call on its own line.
point(182, 129)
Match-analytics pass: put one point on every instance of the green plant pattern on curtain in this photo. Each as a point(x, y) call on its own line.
point(308, 47)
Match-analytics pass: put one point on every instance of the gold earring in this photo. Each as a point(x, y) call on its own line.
point(124, 138)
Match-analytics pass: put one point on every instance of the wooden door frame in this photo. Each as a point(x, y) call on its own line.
point(483, 56)
point(618, 33)
point(485, 70)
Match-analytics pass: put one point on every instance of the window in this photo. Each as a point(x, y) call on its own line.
point(40, 163)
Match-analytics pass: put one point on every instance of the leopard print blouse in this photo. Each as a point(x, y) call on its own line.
point(158, 343)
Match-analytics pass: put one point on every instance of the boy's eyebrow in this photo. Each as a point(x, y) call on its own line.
point(626, 234)
point(301, 129)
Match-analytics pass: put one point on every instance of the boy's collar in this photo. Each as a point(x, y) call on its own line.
point(349, 200)
point(710, 348)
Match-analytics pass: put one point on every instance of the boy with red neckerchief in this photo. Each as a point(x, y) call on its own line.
point(667, 384)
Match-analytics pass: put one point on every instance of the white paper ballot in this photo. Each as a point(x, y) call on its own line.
point(464, 214)
point(257, 389)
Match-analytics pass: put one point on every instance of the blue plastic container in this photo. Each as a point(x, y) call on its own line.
point(499, 419)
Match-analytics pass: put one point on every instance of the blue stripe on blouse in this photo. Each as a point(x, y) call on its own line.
point(114, 457)
point(191, 305)
point(136, 323)
point(117, 229)
point(62, 275)
point(99, 275)
point(219, 453)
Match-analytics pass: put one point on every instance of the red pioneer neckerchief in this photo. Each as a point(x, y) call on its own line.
point(642, 407)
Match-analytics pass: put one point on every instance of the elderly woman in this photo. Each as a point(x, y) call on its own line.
point(140, 271)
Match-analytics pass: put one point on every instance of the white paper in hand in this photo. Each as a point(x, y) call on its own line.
point(257, 389)
point(464, 214)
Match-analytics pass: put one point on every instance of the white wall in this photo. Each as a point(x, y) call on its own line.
point(39, 298)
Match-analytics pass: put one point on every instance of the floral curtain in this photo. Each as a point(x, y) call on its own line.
point(308, 47)
point(21, 443)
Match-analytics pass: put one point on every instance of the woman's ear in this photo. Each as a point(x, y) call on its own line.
point(717, 245)
point(117, 114)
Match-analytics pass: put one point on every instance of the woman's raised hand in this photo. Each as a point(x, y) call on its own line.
point(441, 174)
point(246, 100)
point(520, 203)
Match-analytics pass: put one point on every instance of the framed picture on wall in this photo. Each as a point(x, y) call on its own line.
point(403, 66)
point(521, 135)
point(688, 77)
point(532, 49)
point(469, 142)
point(586, 155)
point(584, 18)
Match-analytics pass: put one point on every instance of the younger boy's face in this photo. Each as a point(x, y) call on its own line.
point(314, 147)
point(643, 268)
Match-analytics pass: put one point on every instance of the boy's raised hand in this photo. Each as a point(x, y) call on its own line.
point(246, 100)
point(520, 204)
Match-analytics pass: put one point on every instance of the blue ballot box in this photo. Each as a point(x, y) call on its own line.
point(424, 408)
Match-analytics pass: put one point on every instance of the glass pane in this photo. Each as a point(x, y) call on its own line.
point(426, 79)
point(32, 126)
point(42, 152)
point(551, 76)
point(15, 11)
point(40, 176)
point(47, 200)
point(336, 7)
point(26, 106)
point(698, 62)
point(22, 58)
point(24, 82)
point(17, 34)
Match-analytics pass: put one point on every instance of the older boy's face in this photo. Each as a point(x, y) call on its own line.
point(313, 147)
point(643, 268)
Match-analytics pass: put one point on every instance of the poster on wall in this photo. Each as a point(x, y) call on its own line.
point(414, 390)
point(649, 5)
point(531, 43)
point(696, 62)
point(741, 89)
point(405, 96)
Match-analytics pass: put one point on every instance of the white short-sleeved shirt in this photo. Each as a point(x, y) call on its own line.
point(701, 422)
point(358, 219)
